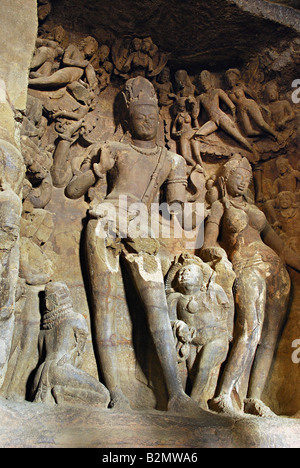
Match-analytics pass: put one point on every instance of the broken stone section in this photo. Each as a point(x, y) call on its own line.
point(18, 33)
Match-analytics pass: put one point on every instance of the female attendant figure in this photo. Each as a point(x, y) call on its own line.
point(258, 257)
point(184, 127)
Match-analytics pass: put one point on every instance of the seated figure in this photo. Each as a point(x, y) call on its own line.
point(62, 339)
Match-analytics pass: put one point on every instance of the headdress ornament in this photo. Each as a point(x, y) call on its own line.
point(58, 293)
point(139, 91)
point(236, 162)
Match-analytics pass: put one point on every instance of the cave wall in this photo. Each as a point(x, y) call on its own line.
point(220, 36)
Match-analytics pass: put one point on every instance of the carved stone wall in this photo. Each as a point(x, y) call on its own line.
point(227, 95)
point(13, 96)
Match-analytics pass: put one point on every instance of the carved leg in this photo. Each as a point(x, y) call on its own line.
point(212, 356)
point(195, 146)
point(148, 278)
point(73, 395)
point(229, 127)
point(274, 317)
point(74, 385)
point(250, 298)
point(184, 146)
point(260, 122)
point(249, 130)
point(104, 274)
point(207, 129)
point(58, 79)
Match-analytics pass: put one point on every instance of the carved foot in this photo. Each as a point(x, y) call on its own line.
point(257, 408)
point(58, 394)
point(223, 404)
point(119, 402)
point(184, 405)
point(71, 395)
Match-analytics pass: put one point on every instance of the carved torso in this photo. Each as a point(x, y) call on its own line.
point(131, 172)
point(204, 314)
point(242, 225)
point(210, 102)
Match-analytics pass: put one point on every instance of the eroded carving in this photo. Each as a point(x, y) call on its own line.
point(257, 255)
point(35, 270)
point(280, 111)
point(71, 147)
point(10, 215)
point(198, 309)
point(62, 339)
point(138, 57)
point(48, 54)
point(210, 101)
point(125, 163)
point(76, 65)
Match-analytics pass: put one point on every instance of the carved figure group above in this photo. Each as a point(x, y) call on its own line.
point(137, 57)
point(213, 139)
point(208, 114)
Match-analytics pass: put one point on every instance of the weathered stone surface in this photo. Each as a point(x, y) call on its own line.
point(38, 426)
point(67, 125)
point(288, 3)
point(219, 33)
point(18, 35)
point(277, 13)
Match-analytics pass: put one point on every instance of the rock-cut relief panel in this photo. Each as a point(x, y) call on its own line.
point(114, 119)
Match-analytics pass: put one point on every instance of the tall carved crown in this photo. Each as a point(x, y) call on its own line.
point(139, 91)
point(58, 293)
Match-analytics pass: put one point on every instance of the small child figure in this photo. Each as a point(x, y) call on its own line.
point(196, 303)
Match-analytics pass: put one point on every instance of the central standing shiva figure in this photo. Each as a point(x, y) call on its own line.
point(137, 170)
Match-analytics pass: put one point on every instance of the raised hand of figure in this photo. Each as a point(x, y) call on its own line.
point(224, 192)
